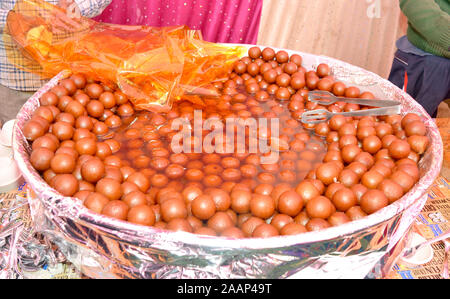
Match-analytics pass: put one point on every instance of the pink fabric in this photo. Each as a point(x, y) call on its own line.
point(227, 21)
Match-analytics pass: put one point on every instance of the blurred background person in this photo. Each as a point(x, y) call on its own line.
point(421, 64)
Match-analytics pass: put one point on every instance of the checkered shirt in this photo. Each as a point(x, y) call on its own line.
point(17, 79)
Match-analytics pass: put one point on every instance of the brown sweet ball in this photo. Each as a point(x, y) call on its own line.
point(338, 218)
point(254, 52)
point(325, 84)
point(371, 179)
point(403, 179)
point(338, 89)
point(95, 108)
point(103, 150)
point(328, 172)
point(79, 80)
point(262, 206)
point(62, 163)
point(128, 187)
point(113, 121)
point(93, 170)
point(253, 69)
point(220, 221)
point(203, 207)
point(283, 80)
point(116, 209)
point(349, 153)
point(391, 189)
point(290, 203)
point(54, 110)
point(409, 118)
point(94, 90)
point(220, 197)
point(265, 230)
point(240, 67)
point(359, 191)
point(416, 127)
point(418, 144)
point(84, 122)
point(135, 198)
point(82, 133)
point(194, 222)
point(67, 143)
point(63, 102)
point(233, 216)
point(372, 144)
point(355, 213)
point(190, 193)
point(323, 70)
point(347, 129)
point(312, 81)
point(82, 195)
point(60, 91)
point(48, 141)
point(233, 232)
point(75, 109)
point(95, 202)
point(348, 177)
point(280, 220)
point(240, 200)
point(33, 130)
point(373, 200)
point(139, 180)
point(110, 188)
point(174, 171)
point(352, 92)
point(302, 218)
point(250, 224)
point(205, 231)
point(382, 169)
point(344, 199)
point(86, 146)
point(44, 112)
point(173, 208)
point(41, 158)
point(159, 180)
point(293, 229)
point(62, 130)
point(332, 189)
point(410, 168)
point(399, 149)
point(319, 207)
point(307, 191)
point(66, 184)
point(268, 54)
point(108, 99)
point(83, 185)
point(141, 214)
point(179, 224)
point(282, 56)
point(316, 224)
point(49, 99)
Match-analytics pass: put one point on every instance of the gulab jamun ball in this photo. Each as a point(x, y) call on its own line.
point(89, 142)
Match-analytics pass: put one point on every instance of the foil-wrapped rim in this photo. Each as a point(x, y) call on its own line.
point(73, 209)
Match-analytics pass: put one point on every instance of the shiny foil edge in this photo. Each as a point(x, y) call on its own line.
point(128, 250)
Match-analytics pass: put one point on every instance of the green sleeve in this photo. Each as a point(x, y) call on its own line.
point(429, 20)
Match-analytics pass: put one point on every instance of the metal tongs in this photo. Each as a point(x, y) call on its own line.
point(325, 98)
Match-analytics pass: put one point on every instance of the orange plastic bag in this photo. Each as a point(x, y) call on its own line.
point(152, 66)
